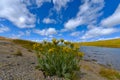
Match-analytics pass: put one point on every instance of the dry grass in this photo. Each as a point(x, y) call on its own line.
point(18, 53)
point(113, 43)
point(24, 43)
point(110, 74)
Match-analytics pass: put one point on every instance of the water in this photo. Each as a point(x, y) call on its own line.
point(106, 56)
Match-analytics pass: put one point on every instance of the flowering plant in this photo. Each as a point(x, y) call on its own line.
point(58, 57)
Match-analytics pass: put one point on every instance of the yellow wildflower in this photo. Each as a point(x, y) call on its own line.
point(80, 54)
point(66, 49)
point(51, 50)
point(67, 43)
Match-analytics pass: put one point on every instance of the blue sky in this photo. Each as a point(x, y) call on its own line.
point(73, 20)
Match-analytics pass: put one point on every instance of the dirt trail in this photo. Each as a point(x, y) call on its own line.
point(14, 67)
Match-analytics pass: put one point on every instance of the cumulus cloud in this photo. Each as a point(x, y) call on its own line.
point(88, 13)
point(106, 26)
point(4, 29)
point(46, 32)
point(99, 31)
point(17, 12)
point(40, 2)
point(58, 4)
point(73, 23)
point(112, 20)
point(48, 21)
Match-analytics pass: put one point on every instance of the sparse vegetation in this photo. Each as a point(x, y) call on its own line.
point(58, 58)
point(18, 53)
point(29, 50)
point(110, 74)
point(113, 43)
point(24, 43)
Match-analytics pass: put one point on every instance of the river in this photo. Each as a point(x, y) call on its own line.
point(105, 56)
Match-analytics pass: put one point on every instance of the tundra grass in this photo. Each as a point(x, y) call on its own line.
point(113, 43)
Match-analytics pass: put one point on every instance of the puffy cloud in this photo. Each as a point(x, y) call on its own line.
point(98, 31)
point(46, 32)
point(48, 21)
point(16, 12)
point(4, 29)
point(58, 4)
point(40, 2)
point(88, 13)
point(73, 23)
point(112, 20)
point(75, 34)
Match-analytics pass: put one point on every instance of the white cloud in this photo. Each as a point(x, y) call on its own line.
point(46, 32)
point(109, 38)
point(75, 34)
point(104, 28)
point(4, 29)
point(21, 34)
point(88, 13)
point(16, 12)
point(58, 4)
point(39, 3)
point(18, 35)
point(28, 32)
point(99, 31)
point(73, 23)
point(112, 20)
point(48, 21)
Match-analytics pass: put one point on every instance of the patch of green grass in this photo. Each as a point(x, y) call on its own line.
point(113, 43)
point(110, 74)
point(24, 43)
point(18, 53)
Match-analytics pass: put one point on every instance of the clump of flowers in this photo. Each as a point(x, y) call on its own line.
point(58, 57)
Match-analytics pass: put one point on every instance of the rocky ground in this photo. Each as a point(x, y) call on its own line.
point(15, 67)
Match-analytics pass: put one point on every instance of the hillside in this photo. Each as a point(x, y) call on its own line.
point(113, 43)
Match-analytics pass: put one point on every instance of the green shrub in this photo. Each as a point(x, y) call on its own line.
point(58, 58)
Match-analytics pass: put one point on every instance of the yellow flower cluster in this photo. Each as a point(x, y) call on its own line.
point(80, 54)
point(66, 49)
point(51, 50)
point(54, 47)
point(36, 45)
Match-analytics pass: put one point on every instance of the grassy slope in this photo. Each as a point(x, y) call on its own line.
point(24, 43)
point(113, 43)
